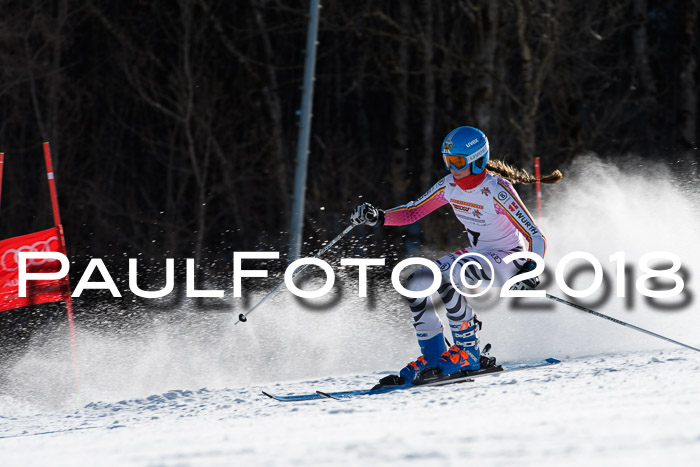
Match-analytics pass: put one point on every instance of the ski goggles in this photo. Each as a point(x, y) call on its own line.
point(459, 162)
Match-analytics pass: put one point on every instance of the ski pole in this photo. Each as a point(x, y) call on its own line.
point(614, 320)
point(243, 317)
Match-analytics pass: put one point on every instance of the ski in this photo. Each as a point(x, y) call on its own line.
point(437, 381)
point(335, 395)
point(329, 396)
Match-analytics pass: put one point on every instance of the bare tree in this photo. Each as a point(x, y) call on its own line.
point(688, 102)
point(538, 38)
point(487, 23)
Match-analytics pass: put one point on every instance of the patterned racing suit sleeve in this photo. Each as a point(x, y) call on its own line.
point(508, 203)
point(411, 212)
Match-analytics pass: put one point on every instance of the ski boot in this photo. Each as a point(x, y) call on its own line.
point(465, 353)
point(431, 351)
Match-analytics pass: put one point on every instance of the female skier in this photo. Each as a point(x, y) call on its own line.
point(497, 223)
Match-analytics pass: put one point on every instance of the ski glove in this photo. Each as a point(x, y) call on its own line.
point(365, 213)
point(527, 284)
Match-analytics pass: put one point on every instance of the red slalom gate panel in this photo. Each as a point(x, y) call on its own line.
point(44, 291)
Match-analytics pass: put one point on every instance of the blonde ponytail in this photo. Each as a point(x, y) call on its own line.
point(515, 176)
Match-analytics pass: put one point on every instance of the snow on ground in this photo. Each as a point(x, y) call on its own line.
point(185, 388)
point(626, 409)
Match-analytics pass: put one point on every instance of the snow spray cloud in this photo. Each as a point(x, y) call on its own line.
point(619, 212)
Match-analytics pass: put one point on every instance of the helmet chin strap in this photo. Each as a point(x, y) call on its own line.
point(471, 181)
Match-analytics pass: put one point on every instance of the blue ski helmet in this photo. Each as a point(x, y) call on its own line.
point(466, 146)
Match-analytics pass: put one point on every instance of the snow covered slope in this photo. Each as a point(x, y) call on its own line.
point(627, 409)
